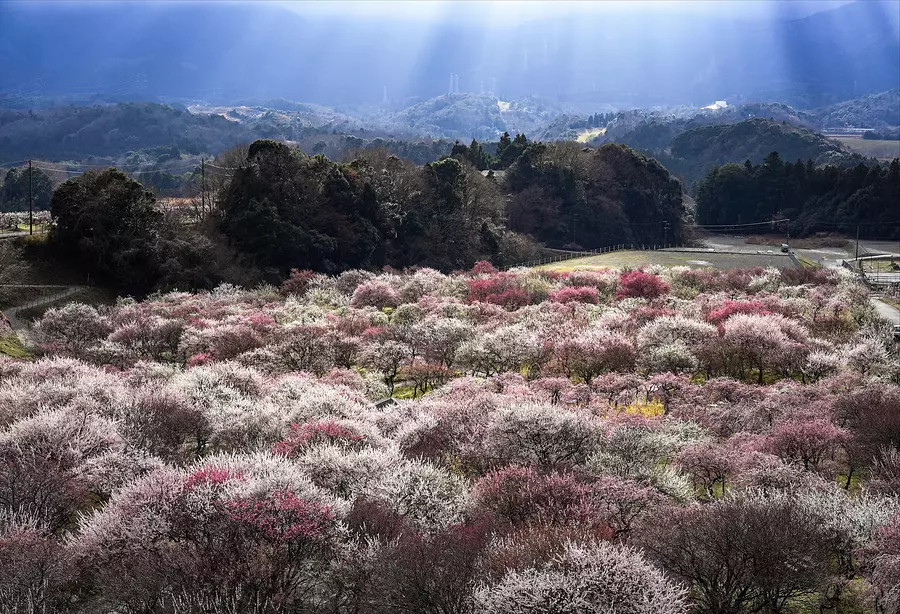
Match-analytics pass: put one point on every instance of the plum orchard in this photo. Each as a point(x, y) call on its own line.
point(654, 441)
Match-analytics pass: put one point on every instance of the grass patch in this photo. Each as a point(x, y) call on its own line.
point(645, 409)
point(879, 266)
point(890, 301)
point(590, 134)
point(89, 296)
point(11, 346)
point(404, 392)
point(816, 242)
point(699, 259)
point(806, 262)
point(13, 297)
point(883, 150)
point(38, 228)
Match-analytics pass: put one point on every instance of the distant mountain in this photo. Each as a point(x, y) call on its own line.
point(875, 111)
point(458, 116)
point(222, 53)
point(692, 154)
point(478, 116)
point(75, 133)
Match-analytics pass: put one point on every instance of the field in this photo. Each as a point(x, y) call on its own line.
point(384, 443)
point(883, 150)
point(590, 134)
point(698, 259)
point(885, 265)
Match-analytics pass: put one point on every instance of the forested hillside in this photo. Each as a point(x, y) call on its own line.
point(875, 111)
point(565, 194)
point(694, 153)
point(829, 199)
point(278, 209)
point(75, 133)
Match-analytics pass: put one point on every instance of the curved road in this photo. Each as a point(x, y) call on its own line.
point(826, 256)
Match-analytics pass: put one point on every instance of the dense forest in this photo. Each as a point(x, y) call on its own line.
point(278, 208)
point(826, 199)
point(577, 197)
point(690, 154)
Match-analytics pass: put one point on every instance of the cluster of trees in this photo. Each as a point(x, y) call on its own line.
point(694, 153)
point(880, 111)
point(497, 156)
point(815, 199)
point(566, 195)
point(596, 120)
point(112, 226)
point(270, 208)
point(885, 134)
point(289, 210)
point(221, 452)
point(563, 194)
point(22, 183)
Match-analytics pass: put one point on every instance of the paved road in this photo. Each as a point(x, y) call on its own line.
point(826, 256)
point(885, 311)
point(13, 235)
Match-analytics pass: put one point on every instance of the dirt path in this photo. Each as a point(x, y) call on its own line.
point(22, 327)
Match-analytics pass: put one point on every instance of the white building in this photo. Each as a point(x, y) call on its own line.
point(717, 105)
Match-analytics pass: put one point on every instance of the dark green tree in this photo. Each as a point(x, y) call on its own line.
point(289, 210)
point(14, 192)
point(110, 223)
point(508, 151)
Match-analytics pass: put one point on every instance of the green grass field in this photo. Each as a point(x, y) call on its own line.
point(878, 266)
point(618, 260)
point(11, 346)
point(883, 150)
point(38, 228)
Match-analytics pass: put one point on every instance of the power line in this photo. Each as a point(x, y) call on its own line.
point(768, 222)
point(103, 165)
point(127, 172)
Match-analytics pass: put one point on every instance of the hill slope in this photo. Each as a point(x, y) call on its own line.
point(74, 133)
point(694, 153)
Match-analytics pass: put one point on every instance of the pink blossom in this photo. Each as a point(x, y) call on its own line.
point(282, 516)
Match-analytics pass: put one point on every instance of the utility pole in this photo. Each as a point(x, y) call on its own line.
point(665, 233)
point(857, 242)
point(202, 187)
point(574, 219)
point(30, 200)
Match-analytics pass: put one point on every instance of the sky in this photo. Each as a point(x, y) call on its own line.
point(507, 11)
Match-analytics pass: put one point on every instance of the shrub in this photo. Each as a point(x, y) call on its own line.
point(581, 294)
point(638, 284)
point(72, 328)
point(543, 435)
point(374, 294)
point(298, 282)
point(312, 433)
point(597, 577)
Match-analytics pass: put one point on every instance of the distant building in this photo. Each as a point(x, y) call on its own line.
point(717, 106)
